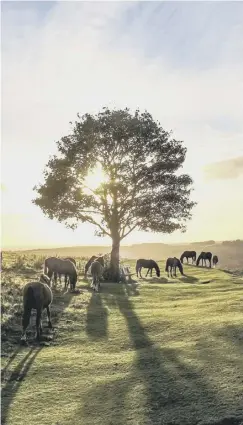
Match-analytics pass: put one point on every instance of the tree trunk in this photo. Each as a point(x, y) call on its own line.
point(115, 259)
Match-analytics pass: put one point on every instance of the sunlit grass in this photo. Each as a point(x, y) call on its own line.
point(160, 351)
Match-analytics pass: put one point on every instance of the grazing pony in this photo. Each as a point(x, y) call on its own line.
point(96, 270)
point(172, 263)
point(66, 276)
point(204, 256)
point(215, 260)
point(93, 258)
point(188, 254)
point(56, 266)
point(147, 264)
point(37, 295)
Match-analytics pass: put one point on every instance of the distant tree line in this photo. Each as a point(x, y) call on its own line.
point(237, 242)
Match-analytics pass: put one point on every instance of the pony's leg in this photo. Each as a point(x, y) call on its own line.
point(147, 273)
point(49, 317)
point(151, 272)
point(38, 324)
point(25, 322)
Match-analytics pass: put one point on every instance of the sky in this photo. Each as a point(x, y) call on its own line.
point(182, 61)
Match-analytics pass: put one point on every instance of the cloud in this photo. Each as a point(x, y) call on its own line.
point(229, 169)
point(182, 61)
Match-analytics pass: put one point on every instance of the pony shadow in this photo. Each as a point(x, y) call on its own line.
point(96, 319)
point(156, 280)
point(13, 379)
point(12, 376)
point(189, 279)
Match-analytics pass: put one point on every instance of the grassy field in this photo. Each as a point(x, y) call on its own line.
point(159, 351)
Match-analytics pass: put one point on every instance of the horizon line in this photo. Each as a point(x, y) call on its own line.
point(106, 245)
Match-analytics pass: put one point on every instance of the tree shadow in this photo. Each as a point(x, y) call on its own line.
point(97, 317)
point(233, 334)
point(165, 384)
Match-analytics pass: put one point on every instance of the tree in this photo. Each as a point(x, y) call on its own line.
point(142, 191)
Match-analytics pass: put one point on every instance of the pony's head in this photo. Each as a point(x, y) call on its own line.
point(100, 259)
point(180, 268)
point(45, 279)
point(199, 258)
point(157, 271)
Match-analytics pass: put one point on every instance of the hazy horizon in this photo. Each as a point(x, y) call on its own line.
point(182, 61)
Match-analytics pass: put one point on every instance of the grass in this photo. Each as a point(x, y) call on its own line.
point(160, 351)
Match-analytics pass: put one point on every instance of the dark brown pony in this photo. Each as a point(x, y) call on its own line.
point(96, 270)
point(147, 264)
point(204, 256)
point(188, 254)
point(56, 266)
point(36, 295)
point(172, 264)
point(100, 259)
point(215, 260)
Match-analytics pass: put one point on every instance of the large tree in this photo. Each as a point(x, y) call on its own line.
point(143, 189)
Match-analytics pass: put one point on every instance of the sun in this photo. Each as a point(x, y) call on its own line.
point(95, 177)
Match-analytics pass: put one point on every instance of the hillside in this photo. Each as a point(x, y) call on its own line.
point(230, 253)
point(158, 351)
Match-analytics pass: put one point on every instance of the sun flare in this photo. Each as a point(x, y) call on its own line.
point(95, 177)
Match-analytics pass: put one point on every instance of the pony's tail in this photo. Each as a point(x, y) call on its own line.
point(181, 258)
point(167, 266)
point(29, 298)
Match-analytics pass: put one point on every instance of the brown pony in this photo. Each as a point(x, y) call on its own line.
point(66, 275)
point(36, 295)
point(172, 263)
point(93, 258)
point(55, 266)
point(204, 256)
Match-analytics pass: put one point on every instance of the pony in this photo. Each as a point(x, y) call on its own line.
point(172, 263)
point(215, 260)
point(56, 266)
point(204, 256)
point(66, 276)
point(36, 295)
point(188, 254)
point(96, 270)
point(100, 259)
point(147, 264)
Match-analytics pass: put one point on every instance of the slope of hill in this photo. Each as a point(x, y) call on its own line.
point(230, 253)
point(160, 351)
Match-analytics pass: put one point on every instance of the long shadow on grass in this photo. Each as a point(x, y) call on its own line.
point(160, 388)
point(13, 376)
point(96, 319)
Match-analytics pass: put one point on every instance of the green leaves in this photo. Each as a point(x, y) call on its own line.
point(140, 159)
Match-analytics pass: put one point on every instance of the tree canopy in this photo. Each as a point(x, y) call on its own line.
point(143, 189)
